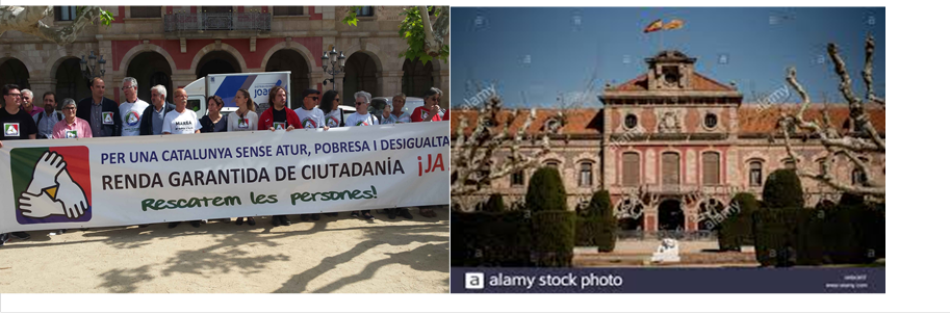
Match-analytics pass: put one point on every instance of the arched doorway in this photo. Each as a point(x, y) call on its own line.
point(70, 83)
point(630, 215)
point(361, 74)
point(711, 213)
point(671, 215)
point(290, 60)
point(217, 62)
point(13, 71)
point(417, 77)
point(149, 69)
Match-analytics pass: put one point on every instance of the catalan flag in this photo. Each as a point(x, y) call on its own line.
point(655, 26)
point(674, 24)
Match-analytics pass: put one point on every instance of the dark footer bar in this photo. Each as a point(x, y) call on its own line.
point(668, 280)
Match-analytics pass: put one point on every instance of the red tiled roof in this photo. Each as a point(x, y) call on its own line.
point(753, 119)
point(579, 121)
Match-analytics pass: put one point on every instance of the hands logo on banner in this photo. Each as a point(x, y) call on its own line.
point(52, 191)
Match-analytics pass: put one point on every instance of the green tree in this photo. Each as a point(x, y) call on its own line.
point(783, 189)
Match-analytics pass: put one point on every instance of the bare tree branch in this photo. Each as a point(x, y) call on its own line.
point(864, 139)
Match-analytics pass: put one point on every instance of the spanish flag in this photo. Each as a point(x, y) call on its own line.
point(655, 26)
point(674, 24)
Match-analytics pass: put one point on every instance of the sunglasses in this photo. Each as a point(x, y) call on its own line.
point(315, 98)
point(336, 99)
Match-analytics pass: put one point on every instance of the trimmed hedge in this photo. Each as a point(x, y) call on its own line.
point(808, 236)
point(491, 239)
point(495, 204)
point(601, 208)
point(553, 238)
point(585, 230)
point(546, 191)
point(783, 189)
point(736, 230)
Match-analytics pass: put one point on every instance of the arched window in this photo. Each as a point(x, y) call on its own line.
point(710, 168)
point(755, 173)
point(631, 169)
point(551, 163)
point(586, 175)
point(858, 177)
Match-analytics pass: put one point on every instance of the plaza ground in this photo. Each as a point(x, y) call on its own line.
point(637, 253)
point(335, 254)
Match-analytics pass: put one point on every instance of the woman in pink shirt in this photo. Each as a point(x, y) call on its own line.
point(71, 126)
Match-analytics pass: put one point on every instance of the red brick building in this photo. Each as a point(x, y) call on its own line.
point(670, 146)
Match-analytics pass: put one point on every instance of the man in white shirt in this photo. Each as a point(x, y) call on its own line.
point(46, 119)
point(132, 109)
point(361, 117)
point(310, 116)
point(182, 120)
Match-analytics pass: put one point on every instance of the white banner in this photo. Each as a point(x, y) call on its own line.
point(119, 181)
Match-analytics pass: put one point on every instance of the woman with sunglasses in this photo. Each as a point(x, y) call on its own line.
point(429, 111)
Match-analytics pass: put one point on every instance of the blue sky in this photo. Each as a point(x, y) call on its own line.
point(534, 54)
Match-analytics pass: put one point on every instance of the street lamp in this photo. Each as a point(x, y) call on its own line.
point(91, 71)
point(333, 64)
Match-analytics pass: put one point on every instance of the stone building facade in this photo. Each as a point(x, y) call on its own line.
point(672, 147)
point(175, 45)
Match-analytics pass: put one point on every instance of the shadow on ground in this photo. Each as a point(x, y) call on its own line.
point(228, 253)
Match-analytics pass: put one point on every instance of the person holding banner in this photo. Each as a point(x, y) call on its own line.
point(362, 117)
point(71, 126)
point(214, 121)
point(182, 121)
point(17, 125)
point(330, 105)
point(311, 118)
point(278, 117)
point(244, 118)
point(429, 111)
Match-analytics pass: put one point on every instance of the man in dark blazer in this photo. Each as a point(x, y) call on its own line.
point(101, 113)
point(152, 125)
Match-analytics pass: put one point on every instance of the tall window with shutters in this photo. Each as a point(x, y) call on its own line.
point(631, 169)
point(586, 177)
point(711, 168)
point(755, 173)
point(671, 168)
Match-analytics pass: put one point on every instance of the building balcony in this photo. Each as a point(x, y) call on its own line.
point(217, 22)
point(684, 189)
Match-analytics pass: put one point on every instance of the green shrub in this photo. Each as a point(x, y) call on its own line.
point(495, 204)
point(736, 230)
point(546, 191)
point(585, 230)
point(850, 199)
point(491, 239)
point(806, 236)
point(783, 189)
point(601, 209)
point(553, 238)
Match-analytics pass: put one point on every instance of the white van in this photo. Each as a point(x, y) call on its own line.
point(227, 85)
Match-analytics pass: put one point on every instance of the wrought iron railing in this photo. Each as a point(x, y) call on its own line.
point(217, 21)
point(663, 234)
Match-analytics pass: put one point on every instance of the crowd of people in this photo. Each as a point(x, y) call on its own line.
point(98, 116)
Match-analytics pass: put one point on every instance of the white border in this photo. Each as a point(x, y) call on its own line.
point(917, 270)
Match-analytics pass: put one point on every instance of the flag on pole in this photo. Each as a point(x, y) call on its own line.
point(674, 24)
point(655, 26)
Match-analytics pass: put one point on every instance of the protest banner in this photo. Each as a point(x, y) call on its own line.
point(120, 181)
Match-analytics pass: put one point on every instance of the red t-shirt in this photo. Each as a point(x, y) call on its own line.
point(420, 114)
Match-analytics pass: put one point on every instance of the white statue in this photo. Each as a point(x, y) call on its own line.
point(668, 251)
